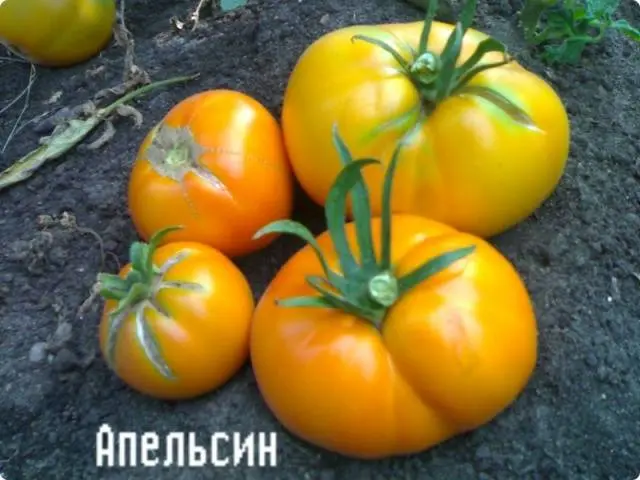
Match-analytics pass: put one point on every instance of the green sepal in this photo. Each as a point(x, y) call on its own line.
point(367, 290)
point(437, 77)
point(360, 203)
point(335, 214)
point(136, 285)
point(291, 227)
point(431, 268)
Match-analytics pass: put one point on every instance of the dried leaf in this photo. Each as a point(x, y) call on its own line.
point(70, 133)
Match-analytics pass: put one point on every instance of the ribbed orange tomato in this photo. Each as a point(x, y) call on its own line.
point(417, 332)
point(56, 33)
point(176, 320)
point(485, 146)
point(216, 165)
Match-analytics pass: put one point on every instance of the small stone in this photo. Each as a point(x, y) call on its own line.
point(110, 245)
point(483, 452)
point(65, 361)
point(38, 352)
point(327, 475)
point(62, 334)
point(58, 256)
point(602, 374)
point(591, 360)
point(19, 250)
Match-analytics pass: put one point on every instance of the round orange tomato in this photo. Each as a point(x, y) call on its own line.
point(56, 33)
point(176, 320)
point(216, 165)
point(384, 354)
point(483, 151)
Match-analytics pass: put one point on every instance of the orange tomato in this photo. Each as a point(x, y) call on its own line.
point(482, 152)
point(217, 165)
point(392, 364)
point(176, 320)
point(56, 33)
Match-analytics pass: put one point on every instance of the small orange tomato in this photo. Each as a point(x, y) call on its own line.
point(217, 165)
point(390, 341)
point(176, 321)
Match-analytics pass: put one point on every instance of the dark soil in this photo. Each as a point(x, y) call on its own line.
point(579, 418)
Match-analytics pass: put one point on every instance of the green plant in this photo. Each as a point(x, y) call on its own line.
point(564, 28)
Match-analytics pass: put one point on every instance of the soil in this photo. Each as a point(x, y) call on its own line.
point(579, 417)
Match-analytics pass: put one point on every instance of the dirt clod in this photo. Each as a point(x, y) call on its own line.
point(65, 361)
point(38, 352)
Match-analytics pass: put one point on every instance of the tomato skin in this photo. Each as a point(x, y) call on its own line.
point(469, 165)
point(205, 342)
point(57, 33)
point(452, 354)
point(242, 147)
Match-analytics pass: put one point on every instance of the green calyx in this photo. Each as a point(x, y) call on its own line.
point(367, 287)
point(437, 76)
point(134, 293)
point(137, 286)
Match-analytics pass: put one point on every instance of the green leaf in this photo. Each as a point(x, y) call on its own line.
point(626, 29)
point(601, 8)
point(432, 267)
point(531, 13)
point(228, 5)
point(570, 51)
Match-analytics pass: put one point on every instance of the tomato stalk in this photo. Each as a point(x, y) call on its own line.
point(438, 76)
point(134, 293)
point(369, 287)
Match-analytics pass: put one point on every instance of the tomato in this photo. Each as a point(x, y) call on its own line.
point(427, 332)
point(484, 148)
point(176, 319)
point(56, 33)
point(217, 165)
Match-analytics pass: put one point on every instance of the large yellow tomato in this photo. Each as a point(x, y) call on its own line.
point(420, 332)
point(176, 321)
point(56, 33)
point(484, 147)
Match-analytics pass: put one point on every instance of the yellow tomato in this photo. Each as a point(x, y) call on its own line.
point(176, 320)
point(217, 165)
point(481, 153)
point(388, 336)
point(56, 33)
